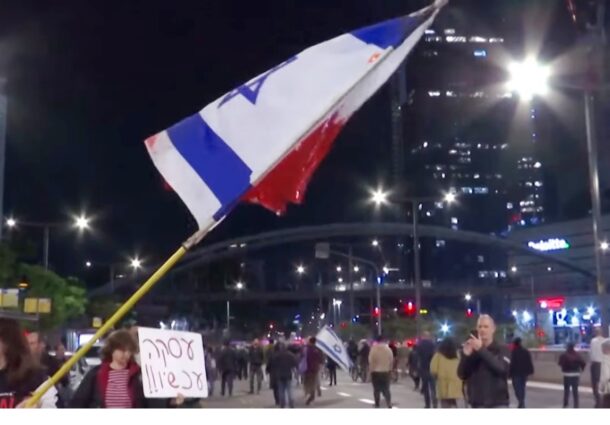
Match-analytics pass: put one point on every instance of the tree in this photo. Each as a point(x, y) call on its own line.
point(68, 296)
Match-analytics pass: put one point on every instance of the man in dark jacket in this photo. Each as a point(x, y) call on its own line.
point(227, 365)
point(256, 358)
point(521, 367)
point(484, 366)
point(282, 365)
point(425, 350)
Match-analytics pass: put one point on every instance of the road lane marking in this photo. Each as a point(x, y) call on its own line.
point(366, 401)
point(344, 394)
point(323, 388)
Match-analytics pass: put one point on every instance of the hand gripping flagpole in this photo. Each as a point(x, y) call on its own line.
point(124, 309)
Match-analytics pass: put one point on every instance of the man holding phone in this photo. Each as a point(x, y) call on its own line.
point(484, 366)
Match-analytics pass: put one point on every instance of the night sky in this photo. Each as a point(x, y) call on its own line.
point(88, 81)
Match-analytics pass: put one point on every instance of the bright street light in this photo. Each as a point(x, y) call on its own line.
point(11, 222)
point(340, 280)
point(604, 246)
point(337, 303)
point(513, 269)
point(450, 197)
point(375, 242)
point(356, 269)
point(339, 269)
point(136, 263)
point(300, 269)
point(82, 222)
point(379, 197)
point(239, 286)
point(529, 78)
point(468, 297)
point(88, 264)
point(444, 328)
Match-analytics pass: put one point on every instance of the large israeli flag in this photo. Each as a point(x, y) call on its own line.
point(331, 345)
point(262, 141)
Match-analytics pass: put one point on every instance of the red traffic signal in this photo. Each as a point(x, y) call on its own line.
point(376, 312)
point(410, 308)
point(469, 312)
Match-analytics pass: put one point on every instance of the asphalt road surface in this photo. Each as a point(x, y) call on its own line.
point(350, 395)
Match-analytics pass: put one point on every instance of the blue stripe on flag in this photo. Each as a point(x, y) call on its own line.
point(330, 352)
point(213, 160)
point(391, 33)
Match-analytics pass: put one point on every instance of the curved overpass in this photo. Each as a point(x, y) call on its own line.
point(237, 246)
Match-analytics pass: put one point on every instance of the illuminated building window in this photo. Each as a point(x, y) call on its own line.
point(440, 243)
point(449, 31)
point(455, 39)
point(496, 40)
point(476, 176)
point(480, 258)
point(477, 39)
point(434, 93)
point(481, 190)
point(467, 190)
point(509, 205)
point(454, 220)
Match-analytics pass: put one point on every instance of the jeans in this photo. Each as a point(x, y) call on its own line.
point(381, 385)
point(256, 371)
point(227, 380)
point(519, 383)
point(285, 392)
point(210, 387)
point(428, 388)
point(570, 382)
point(595, 375)
point(332, 372)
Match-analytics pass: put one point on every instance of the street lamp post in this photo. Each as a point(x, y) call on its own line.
point(521, 83)
point(379, 197)
point(81, 223)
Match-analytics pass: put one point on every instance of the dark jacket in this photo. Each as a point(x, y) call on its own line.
point(486, 373)
point(92, 389)
point(13, 394)
point(256, 356)
point(425, 350)
point(227, 361)
point(282, 364)
point(521, 362)
point(571, 363)
point(314, 360)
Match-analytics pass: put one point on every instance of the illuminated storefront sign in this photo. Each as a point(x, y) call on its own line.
point(549, 245)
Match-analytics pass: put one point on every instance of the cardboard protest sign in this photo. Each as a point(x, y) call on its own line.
point(172, 363)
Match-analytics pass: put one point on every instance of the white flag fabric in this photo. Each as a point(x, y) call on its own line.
point(331, 345)
point(262, 141)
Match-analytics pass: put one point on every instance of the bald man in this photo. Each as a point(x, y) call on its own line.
point(484, 366)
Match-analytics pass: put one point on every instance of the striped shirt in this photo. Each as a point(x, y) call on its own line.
point(117, 392)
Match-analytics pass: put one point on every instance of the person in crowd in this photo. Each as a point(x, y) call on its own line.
point(604, 381)
point(211, 372)
point(443, 369)
point(256, 358)
point(117, 382)
point(521, 367)
point(272, 372)
point(572, 365)
point(413, 367)
point(331, 365)
point(227, 365)
point(242, 362)
point(425, 349)
point(38, 348)
point(596, 363)
point(20, 373)
point(484, 366)
point(381, 362)
point(313, 359)
point(282, 366)
point(352, 352)
point(363, 359)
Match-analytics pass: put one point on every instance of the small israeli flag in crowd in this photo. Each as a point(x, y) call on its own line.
point(331, 345)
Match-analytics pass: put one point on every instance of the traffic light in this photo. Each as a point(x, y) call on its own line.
point(376, 312)
point(410, 308)
point(469, 312)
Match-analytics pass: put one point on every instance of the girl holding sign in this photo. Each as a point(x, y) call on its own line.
point(117, 382)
